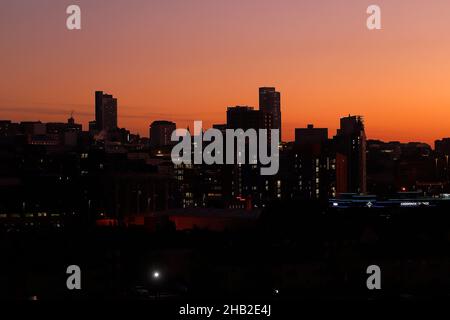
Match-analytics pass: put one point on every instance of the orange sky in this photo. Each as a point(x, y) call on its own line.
point(186, 60)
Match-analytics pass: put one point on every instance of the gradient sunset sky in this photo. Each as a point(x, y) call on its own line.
point(186, 60)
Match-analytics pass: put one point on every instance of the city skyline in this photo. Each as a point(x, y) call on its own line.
point(327, 64)
point(99, 96)
point(224, 158)
point(86, 118)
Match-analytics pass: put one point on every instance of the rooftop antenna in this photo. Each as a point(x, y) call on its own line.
point(71, 119)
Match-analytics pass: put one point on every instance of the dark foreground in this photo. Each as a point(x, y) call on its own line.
point(288, 254)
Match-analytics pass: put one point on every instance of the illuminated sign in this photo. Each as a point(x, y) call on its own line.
point(414, 204)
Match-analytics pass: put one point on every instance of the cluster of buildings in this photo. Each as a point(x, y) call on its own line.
point(57, 170)
point(313, 167)
point(408, 167)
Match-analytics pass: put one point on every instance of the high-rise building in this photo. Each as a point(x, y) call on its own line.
point(161, 132)
point(269, 102)
point(246, 181)
point(350, 143)
point(105, 111)
point(312, 172)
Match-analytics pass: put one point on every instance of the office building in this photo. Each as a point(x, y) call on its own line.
point(270, 103)
point(105, 111)
point(350, 144)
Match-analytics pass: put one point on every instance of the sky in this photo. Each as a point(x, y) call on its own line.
point(186, 60)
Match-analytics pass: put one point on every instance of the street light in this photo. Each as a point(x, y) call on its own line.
point(156, 277)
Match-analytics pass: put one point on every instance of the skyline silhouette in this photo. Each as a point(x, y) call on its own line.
point(58, 115)
point(203, 57)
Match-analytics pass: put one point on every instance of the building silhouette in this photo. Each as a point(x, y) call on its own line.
point(314, 167)
point(105, 111)
point(269, 103)
point(442, 146)
point(350, 144)
point(245, 117)
point(246, 183)
point(160, 133)
point(310, 135)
